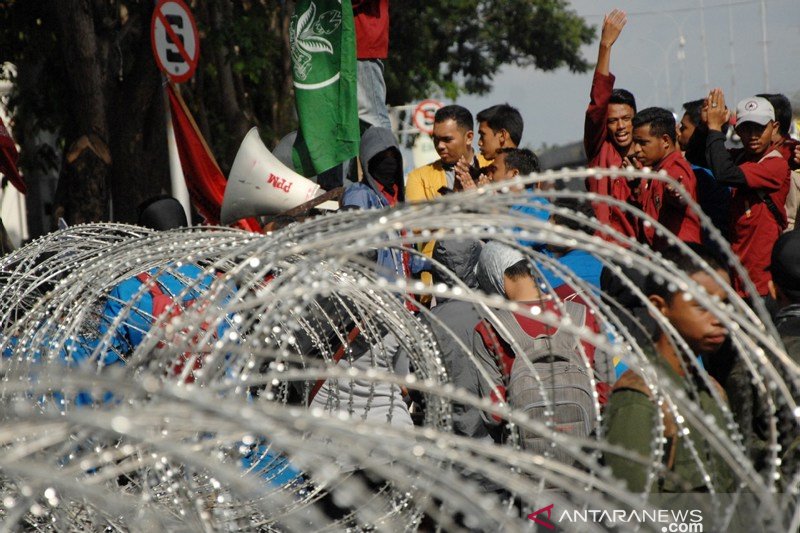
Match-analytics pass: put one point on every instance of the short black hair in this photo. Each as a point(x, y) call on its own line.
point(461, 116)
point(623, 96)
point(662, 121)
point(503, 117)
point(783, 111)
point(694, 109)
point(520, 269)
point(520, 159)
point(658, 286)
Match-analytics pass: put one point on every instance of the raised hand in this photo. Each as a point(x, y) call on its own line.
point(715, 113)
point(612, 26)
point(463, 176)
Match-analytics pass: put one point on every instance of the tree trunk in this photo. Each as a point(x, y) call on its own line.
point(137, 113)
point(117, 96)
point(88, 105)
point(234, 118)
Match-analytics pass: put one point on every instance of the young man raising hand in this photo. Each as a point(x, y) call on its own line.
point(608, 131)
point(759, 176)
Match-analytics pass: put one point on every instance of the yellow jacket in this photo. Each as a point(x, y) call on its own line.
point(423, 184)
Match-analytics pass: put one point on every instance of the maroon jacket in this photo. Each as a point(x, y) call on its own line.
point(756, 183)
point(600, 152)
point(668, 209)
point(371, 19)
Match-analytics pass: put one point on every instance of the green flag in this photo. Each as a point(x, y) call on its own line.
point(322, 36)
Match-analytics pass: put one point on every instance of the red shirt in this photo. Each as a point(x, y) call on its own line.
point(754, 227)
point(371, 19)
point(667, 208)
point(602, 153)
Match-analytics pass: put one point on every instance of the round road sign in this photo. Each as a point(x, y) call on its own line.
point(176, 44)
point(424, 113)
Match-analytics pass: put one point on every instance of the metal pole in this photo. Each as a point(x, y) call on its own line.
point(177, 181)
point(704, 40)
point(681, 53)
point(682, 63)
point(764, 44)
point(733, 54)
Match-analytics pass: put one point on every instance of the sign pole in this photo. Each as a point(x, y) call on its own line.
point(176, 47)
point(177, 180)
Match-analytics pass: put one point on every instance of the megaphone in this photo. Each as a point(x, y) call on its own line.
point(259, 184)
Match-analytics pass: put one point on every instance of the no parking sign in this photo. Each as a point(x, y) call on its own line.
point(176, 44)
point(424, 113)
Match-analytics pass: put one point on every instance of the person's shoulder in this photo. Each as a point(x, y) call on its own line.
point(457, 310)
point(632, 382)
point(774, 159)
point(357, 195)
point(677, 166)
point(436, 166)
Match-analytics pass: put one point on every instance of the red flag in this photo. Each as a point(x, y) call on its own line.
point(204, 179)
point(8, 159)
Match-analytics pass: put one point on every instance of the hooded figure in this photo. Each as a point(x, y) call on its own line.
point(495, 258)
point(382, 164)
point(382, 186)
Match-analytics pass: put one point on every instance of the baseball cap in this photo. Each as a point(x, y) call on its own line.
point(754, 109)
point(785, 265)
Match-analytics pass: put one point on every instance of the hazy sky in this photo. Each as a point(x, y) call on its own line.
point(646, 56)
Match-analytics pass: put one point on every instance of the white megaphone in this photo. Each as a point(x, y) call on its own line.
point(259, 184)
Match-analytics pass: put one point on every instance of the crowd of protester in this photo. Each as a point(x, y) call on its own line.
point(749, 193)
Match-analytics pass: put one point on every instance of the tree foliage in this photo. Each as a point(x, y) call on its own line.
point(85, 70)
point(457, 46)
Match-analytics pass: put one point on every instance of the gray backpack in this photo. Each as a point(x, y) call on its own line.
point(556, 388)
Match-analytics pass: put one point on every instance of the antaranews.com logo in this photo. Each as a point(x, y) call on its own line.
point(669, 520)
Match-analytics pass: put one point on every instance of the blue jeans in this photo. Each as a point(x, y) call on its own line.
point(372, 93)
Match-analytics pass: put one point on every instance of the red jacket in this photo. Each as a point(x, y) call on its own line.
point(754, 227)
point(668, 209)
point(600, 152)
point(371, 19)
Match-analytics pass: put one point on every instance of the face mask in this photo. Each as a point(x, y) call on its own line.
point(385, 168)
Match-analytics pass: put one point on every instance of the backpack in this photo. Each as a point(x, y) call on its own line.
point(164, 306)
point(556, 388)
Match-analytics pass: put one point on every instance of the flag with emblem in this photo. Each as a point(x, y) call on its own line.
point(324, 73)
